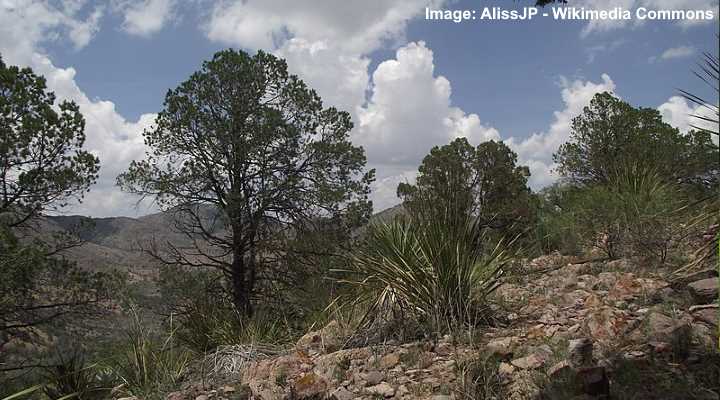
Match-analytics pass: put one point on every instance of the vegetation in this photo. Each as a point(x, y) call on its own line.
point(266, 187)
point(248, 159)
point(610, 134)
point(482, 182)
point(43, 167)
point(436, 272)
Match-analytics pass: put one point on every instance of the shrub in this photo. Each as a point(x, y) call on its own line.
point(439, 273)
point(556, 229)
point(637, 213)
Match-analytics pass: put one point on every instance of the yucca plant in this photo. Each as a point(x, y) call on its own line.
point(436, 271)
point(150, 365)
point(72, 376)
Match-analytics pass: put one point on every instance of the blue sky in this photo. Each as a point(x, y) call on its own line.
point(409, 83)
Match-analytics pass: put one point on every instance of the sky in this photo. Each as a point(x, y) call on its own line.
point(409, 83)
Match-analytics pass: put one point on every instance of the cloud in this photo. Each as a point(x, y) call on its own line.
point(593, 51)
point(679, 113)
point(409, 112)
point(536, 151)
point(24, 27)
point(26, 24)
point(145, 17)
point(326, 45)
point(340, 77)
point(677, 52)
point(361, 26)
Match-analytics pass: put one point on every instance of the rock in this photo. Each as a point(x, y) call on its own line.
point(580, 353)
point(441, 397)
point(502, 347)
point(707, 315)
point(309, 386)
point(342, 394)
point(607, 324)
point(533, 361)
point(704, 291)
point(389, 361)
point(202, 397)
point(327, 339)
point(594, 381)
point(373, 378)
point(560, 369)
point(663, 329)
point(384, 389)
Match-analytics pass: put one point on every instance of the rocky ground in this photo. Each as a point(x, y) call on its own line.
point(565, 330)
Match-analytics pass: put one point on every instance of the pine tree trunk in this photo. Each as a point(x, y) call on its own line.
point(242, 274)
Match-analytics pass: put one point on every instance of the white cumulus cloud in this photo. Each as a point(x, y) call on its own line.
point(145, 17)
point(409, 112)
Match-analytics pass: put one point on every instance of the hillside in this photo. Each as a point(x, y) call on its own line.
point(118, 241)
point(561, 329)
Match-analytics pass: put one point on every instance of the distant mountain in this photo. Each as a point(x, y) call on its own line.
point(116, 242)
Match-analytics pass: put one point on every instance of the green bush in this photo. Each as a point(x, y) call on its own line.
point(437, 272)
point(205, 317)
point(636, 214)
point(555, 229)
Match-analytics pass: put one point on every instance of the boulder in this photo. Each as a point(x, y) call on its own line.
point(704, 291)
point(325, 340)
point(707, 315)
point(389, 361)
point(383, 389)
point(532, 361)
point(675, 332)
point(310, 386)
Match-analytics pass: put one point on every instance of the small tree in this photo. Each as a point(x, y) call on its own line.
point(483, 182)
point(248, 159)
point(610, 133)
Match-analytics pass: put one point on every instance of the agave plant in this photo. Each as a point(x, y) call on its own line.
point(437, 272)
